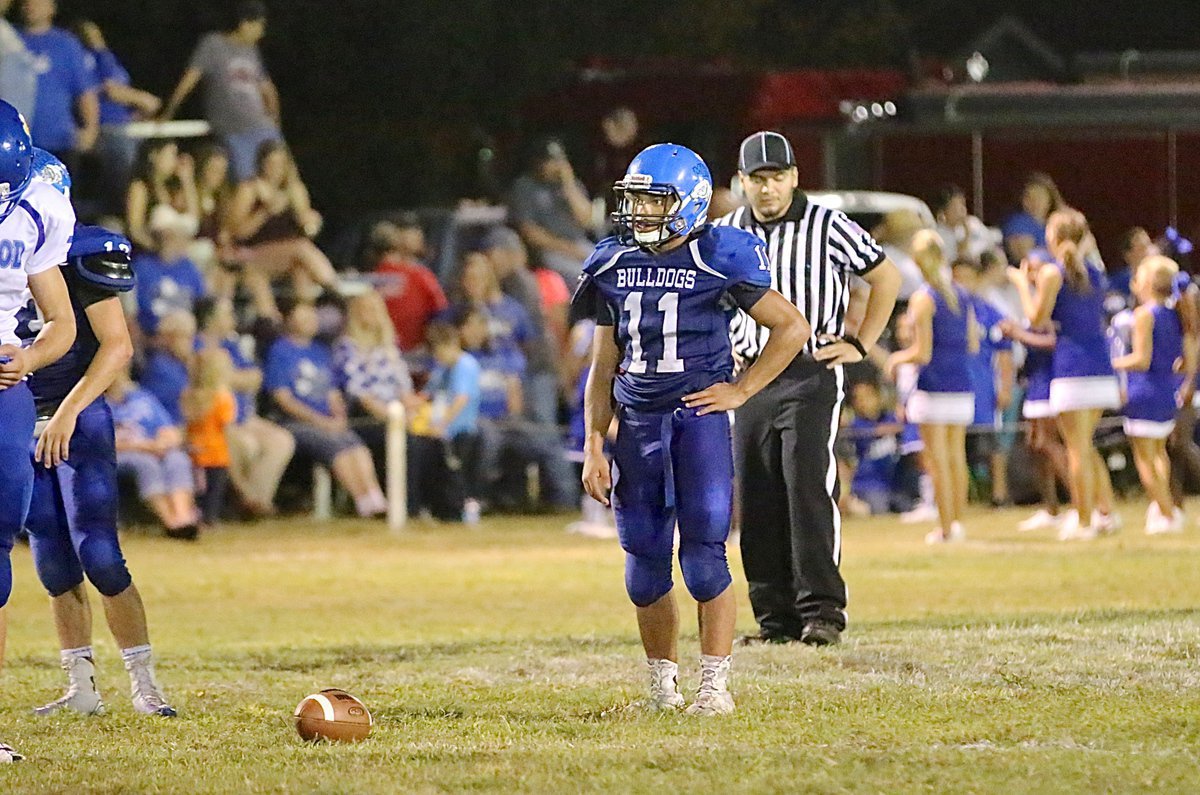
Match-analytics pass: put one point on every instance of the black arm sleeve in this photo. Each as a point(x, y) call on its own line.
point(85, 293)
point(745, 296)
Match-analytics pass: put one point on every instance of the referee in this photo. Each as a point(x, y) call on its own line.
point(783, 436)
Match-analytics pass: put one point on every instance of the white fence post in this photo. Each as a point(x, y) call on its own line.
point(322, 493)
point(397, 466)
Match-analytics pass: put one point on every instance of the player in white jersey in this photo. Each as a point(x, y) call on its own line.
point(36, 224)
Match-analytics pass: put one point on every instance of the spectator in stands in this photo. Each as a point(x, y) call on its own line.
point(410, 291)
point(510, 265)
point(874, 432)
point(453, 395)
point(165, 374)
point(509, 325)
point(299, 379)
point(1136, 246)
point(371, 371)
point(1025, 229)
point(18, 67)
point(240, 101)
point(551, 209)
point(992, 380)
point(210, 409)
point(272, 218)
point(259, 450)
point(150, 448)
point(504, 434)
point(164, 177)
point(65, 87)
point(963, 235)
point(619, 143)
point(120, 103)
point(167, 279)
point(213, 248)
point(895, 234)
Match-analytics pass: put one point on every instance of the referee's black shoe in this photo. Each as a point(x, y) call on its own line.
point(761, 637)
point(821, 633)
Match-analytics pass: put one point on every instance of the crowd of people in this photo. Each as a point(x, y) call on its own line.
point(1025, 327)
point(256, 356)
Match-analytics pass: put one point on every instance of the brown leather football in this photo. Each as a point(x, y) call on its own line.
point(333, 715)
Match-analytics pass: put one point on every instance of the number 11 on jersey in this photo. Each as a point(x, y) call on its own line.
point(668, 305)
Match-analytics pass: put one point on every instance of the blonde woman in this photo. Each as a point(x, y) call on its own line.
point(943, 404)
point(1071, 295)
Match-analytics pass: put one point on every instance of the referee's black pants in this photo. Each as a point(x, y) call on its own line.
point(791, 528)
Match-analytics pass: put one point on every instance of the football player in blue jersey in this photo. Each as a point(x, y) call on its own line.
point(72, 519)
point(663, 291)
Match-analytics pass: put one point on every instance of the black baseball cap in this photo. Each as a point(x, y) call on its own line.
point(765, 149)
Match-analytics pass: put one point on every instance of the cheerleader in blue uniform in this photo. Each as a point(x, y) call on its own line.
point(944, 334)
point(1156, 347)
point(1049, 455)
point(1082, 384)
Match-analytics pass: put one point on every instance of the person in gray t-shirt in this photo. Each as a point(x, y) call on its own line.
point(240, 101)
point(551, 209)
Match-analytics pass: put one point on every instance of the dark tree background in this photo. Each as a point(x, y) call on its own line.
point(385, 102)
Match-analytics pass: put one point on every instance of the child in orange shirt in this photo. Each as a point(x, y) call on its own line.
point(210, 408)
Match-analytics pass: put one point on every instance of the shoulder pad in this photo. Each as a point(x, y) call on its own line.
point(739, 255)
point(603, 254)
point(108, 269)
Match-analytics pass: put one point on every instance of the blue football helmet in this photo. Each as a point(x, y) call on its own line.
point(49, 169)
point(677, 175)
point(16, 158)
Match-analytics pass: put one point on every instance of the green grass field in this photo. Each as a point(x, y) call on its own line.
point(1009, 664)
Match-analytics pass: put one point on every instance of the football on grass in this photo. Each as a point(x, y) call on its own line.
point(333, 715)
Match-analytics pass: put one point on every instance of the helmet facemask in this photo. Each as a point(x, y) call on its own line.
point(647, 214)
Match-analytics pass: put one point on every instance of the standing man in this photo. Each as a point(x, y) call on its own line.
point(240, 101)
point(791, 528)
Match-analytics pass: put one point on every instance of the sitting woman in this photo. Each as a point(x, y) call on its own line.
point(272, 219)
point(150, 447)
point(299, 379)
point(371, 370)
point(213, 248)
point(162, 176)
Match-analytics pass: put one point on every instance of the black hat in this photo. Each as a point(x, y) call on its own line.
point(765, 150)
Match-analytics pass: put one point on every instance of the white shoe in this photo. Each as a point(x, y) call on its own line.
point(922, 513)
point(1071, 530)
point(147, 696)
point(1178, 521)
point(82, 695)
point(1042, 520)
point(713, 696)
point(956, 535)
point(664, 692)
point(1157, 524)
point(7, 754)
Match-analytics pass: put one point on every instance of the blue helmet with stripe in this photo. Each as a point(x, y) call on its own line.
point(49, 169)
point(16, 158)
point(664, 194)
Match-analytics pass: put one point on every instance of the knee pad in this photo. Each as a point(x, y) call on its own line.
point(705, 569)
point(647, 579)
point(105, 565)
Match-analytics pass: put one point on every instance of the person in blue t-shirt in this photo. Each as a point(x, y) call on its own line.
point(65, 86)
point(168, 281)
point(299, 379)
point(165, 373)
point(504, 431)
point(509, 325)
point(120, 103)
point(992, 379)
point(151, 448)
point(877, 450)
point(1025, 229)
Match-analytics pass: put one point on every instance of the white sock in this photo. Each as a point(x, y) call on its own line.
point(136, 654)
point(66, 655)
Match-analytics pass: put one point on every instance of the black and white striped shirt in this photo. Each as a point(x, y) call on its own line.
point(813, 251)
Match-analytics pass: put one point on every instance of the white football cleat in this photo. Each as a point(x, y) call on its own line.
point(664, 695)
point(713, 696)
point(1042, 520)
point(7, 754)
point(147, 696)
point(82, 695)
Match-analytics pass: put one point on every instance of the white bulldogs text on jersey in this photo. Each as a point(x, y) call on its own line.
point(669, 278)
